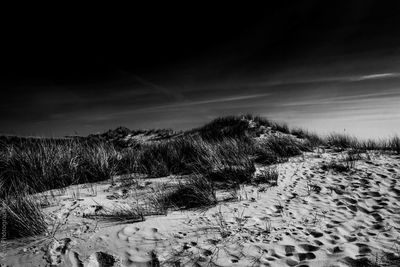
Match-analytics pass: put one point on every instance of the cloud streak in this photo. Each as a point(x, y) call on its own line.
point(179, 105)
point(377, 76)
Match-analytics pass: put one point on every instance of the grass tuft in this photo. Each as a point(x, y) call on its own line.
point(268, 176)
point(23, 217)
point(42, 165)
point(195, 192)
point(342, 141)
point(277, 148)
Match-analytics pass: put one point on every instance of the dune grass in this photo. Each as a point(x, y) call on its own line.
point(39, 166)
point(225, 149)
point(195, 192)
point(221, 153)
point(275, 149)
point(21, 216)
point(313, 139)
point(238, 127)
point(340, 142)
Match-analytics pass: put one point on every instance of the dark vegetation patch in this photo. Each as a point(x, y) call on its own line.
point(277, 149)
point(48, 164)
point(21, 217)
point(195, 192)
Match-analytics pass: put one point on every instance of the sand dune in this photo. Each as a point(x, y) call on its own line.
point(314, 217)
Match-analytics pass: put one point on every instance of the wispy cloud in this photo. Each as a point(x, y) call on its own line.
point(194, 103)
point(377, 76)
point(349, 99)
point(104, 115)
point(223, 99)
point(176, 95)
point(294, 81)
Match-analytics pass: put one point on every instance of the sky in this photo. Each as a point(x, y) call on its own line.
point(326, 67)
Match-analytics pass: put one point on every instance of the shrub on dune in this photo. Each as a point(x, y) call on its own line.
point(276, 148)
point(195, 192)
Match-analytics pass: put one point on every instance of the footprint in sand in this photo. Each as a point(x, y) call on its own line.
point(291, 262)
point(318, 243)
point(350, 200)
point(374, 194)
point(141, 260)
point(350, 238)
point(316, 234)
point(363, 249)
point(308, 247)
point(335, 250)
point(306, 256)
point(289, 250)
point(377, 217)
point(143, 244)
point(352, 208)
point(100, 259)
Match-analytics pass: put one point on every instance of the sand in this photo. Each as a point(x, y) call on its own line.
point(314, 217)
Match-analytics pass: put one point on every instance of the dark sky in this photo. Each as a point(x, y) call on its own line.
point(323, 65)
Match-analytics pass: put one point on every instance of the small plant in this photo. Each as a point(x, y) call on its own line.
point(240, 219)
point(311, 187)
point(268, 224)
point(346, 164)
point(268, 176)
point(394, 144)
point(338, 167)
point(351, 158)
point(92, 189)
point(222, 225)
point(76, 193)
